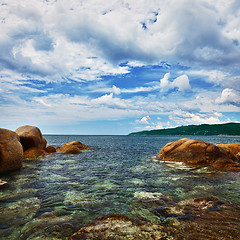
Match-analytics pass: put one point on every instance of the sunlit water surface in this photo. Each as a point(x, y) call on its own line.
point(56, 195)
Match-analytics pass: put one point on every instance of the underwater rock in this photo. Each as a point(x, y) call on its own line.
point(194, 152)
point(207, 218)
point(19, 211)
point(49, 226)
point(195, 218)
point(116, 226)
point(31, 136)
point(34, 153)
point(11, 151)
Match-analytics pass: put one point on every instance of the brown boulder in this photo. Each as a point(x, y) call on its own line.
point(78, 144)
point(31, 136)
point(233, 147)
point(11, 151)
point(198, 153)
point(73, 147)
point(50, 149)
point(34, 153)
point(70, 149)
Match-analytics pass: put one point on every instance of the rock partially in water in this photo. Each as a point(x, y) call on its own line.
point(30, 137)
point(11, 151)
point(50, 149)
point(73, 147)
point(233, 147)
point(2, 182)
point(34, 153)
point(198, 153)
point(117, 227)
point(80, 145)
point(69, 149)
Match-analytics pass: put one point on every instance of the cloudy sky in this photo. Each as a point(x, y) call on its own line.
point(118, 66)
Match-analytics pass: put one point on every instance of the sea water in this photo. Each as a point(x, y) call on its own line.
point(56, 195)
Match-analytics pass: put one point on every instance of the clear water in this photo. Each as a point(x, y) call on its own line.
point(56, 195)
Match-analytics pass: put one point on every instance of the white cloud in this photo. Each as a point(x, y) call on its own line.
point(144, 120)
point(49, 38)
point(212, 76)
point(110, 101)
point(229, 96)
point(116, 90)
point(181, 83)
point(185, 118)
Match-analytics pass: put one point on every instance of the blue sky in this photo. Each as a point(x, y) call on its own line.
point(115, 67)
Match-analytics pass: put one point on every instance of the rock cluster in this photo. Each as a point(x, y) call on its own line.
point(28, 142)
point(194, 152)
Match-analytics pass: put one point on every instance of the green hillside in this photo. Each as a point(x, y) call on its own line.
point(203, 129)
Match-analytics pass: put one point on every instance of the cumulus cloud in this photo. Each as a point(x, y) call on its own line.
point(229, 96)
point(144, 120)
point(110, 101)
point(181, 83)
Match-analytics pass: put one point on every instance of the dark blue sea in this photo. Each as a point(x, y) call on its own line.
point(56, 195)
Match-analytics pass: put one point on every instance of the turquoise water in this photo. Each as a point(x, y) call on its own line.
point(56, 195)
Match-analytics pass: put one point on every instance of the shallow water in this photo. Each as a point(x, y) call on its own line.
point(56, 195)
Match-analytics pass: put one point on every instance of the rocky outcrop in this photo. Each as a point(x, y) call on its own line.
point(117, 226)
point(30, 137)
point(11, 151)
point(73, 147)
point(198, 153)
point(232, 147)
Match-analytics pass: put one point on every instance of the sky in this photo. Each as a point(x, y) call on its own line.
point(118, 66)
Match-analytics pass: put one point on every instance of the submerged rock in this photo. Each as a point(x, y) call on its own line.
point(31, 136)
point(11, 151)
point(198, 153)
point(195, 218)
point(207, 218)
point(117, 226)
point(49, 226)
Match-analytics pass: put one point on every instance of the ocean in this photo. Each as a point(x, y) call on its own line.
point(56, 195)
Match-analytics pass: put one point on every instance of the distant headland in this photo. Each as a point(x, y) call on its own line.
point(231, 129)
